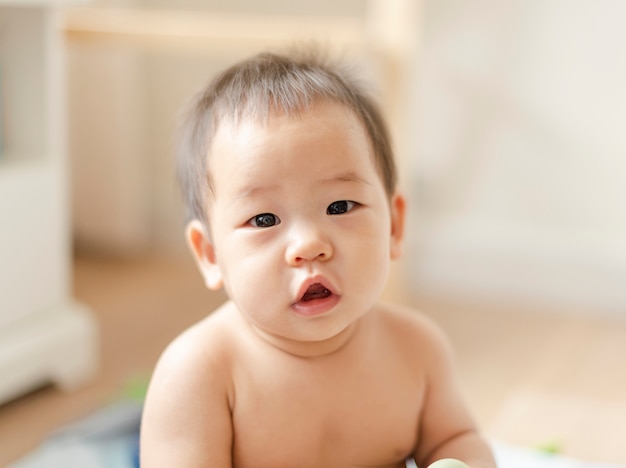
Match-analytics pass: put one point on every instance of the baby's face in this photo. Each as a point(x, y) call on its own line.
point(302, 228)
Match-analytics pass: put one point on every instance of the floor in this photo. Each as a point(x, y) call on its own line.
point(535, 377)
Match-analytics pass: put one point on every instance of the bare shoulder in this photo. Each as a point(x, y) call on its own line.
point(207, 343)
point(419, 335)
point(190, 396)
point(447, 427)
point(411, 323)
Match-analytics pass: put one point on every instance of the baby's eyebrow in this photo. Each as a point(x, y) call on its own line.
point(251, 191)
point(349, 176)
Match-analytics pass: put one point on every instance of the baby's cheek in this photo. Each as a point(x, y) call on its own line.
point(372, 265)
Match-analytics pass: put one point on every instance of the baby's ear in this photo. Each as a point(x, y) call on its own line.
point(398, 214)
point(204, 254)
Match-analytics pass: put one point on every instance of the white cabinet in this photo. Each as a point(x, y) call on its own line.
point(44, 335)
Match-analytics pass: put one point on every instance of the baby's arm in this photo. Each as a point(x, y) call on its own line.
point(186, 420)
point(447, 428)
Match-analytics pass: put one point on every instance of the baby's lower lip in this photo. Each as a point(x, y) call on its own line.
point(315, 307)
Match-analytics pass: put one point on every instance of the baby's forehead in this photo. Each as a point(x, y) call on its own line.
point(240, 121)
point(318, 135)
point(325, 127)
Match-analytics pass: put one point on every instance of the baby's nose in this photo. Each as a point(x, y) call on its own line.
point(308, 244)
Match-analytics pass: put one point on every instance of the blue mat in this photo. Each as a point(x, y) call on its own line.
point(107, 439)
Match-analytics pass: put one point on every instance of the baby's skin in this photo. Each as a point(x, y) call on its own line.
point(303, 366)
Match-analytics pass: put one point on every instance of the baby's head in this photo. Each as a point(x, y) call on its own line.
point(266, 85)
point(290, 186)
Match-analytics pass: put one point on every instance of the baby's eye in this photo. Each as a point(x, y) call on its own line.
point(340, 207)
point(264, 220)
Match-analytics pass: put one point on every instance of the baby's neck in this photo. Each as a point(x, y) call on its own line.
point(310, 349)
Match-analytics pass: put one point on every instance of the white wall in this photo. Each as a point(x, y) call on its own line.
point(124, 104)
point(519, 151)
point(111, 169)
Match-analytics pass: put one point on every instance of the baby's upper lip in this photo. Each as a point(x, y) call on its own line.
point(308, 283)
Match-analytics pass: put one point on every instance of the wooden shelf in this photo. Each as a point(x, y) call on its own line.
point(209, 31)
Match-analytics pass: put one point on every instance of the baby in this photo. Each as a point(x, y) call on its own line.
point(290, 184)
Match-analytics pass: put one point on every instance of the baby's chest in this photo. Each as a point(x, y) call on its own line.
point(358, 417)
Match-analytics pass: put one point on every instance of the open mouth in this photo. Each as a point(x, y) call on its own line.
point(316, 299)
point(315, 291)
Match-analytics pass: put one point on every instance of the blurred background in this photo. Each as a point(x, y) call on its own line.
point(507, 118)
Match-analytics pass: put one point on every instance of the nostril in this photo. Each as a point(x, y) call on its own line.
point(301, 259)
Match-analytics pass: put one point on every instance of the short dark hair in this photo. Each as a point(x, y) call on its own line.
point(254, 89)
